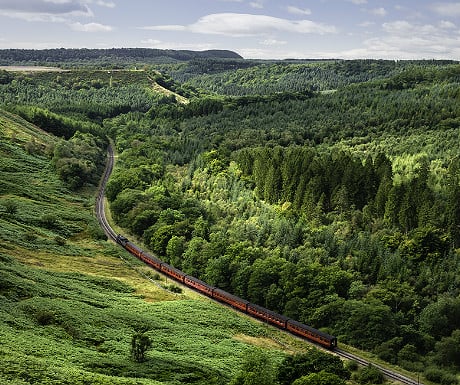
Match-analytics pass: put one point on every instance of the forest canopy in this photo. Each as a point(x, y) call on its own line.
point(328, 191)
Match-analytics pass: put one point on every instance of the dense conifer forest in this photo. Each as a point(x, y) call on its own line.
point(328, 191)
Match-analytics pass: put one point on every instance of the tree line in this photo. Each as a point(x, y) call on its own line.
point(115, 56)
point(251, 77)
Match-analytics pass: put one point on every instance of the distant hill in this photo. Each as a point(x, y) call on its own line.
point(114, 55)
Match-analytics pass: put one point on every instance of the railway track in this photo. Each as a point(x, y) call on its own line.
point(387, 372)
point(100, 213)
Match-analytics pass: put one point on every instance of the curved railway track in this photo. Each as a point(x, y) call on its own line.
point(100, 213)
point(100, 209)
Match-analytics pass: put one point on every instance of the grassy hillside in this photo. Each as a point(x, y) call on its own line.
point(69, 305)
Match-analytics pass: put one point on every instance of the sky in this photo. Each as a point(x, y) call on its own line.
point(262, 29)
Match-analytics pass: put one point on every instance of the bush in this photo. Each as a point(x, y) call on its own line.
point(49, 221)
point(30, 236)
point(154, 275)
point(321, 378)
point(409, 359)
point(44, 317)
point(370, 375)
point(352, 366)
point(96, 233)
point(440, 376)
point(11, 207)
point(412, 366)
point(256, 369)
point(449, 379)
point(140, 343)
point(32, 147)
point(175, 289)
point(447, 351)
point(61, 241)
point(315, 361)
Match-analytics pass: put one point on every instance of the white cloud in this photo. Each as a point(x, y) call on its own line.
point(289, 53)
point(358, 2)
point(447, 9)
point(44, 7)
point(258, 4)
point(154, 43)
point(55, 11)
point(404, 40)
point(171, 27)
point(151, 42)
point(32, 17)
point(107, 4)
point(298, 11)
point(37, 45)
point(404, 28)
point(241, 25)
point(379, 11)
point(90, 27)
point(447, 25)
point(366, 24)
point(273, 42)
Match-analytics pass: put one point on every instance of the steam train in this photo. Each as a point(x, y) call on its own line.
point(280, 321)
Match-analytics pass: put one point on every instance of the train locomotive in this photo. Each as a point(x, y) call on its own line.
point(275, 319)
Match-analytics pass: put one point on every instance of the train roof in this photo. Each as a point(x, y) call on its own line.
point(262, 309)
point(228, 295)
point(171, 268)
point(134, 246)
point(152, 258)
point(189, 277)
point(311, 329)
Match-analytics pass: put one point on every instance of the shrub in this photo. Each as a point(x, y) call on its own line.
point(352, 366)
point(174, 288)
point(30, 236)
point(44, 317)
point(153, 275)
point(61, 241)
point(96, 233)
point(314, 361)
point(140, 343)
point(449, 379)
point(32, 147)
point(440, 376)
point(49, 221)
point(321, 378)
point(256, 369)
point(11, 207)
point(370, 375)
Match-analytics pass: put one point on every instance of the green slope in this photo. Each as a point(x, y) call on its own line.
point(69, 305)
